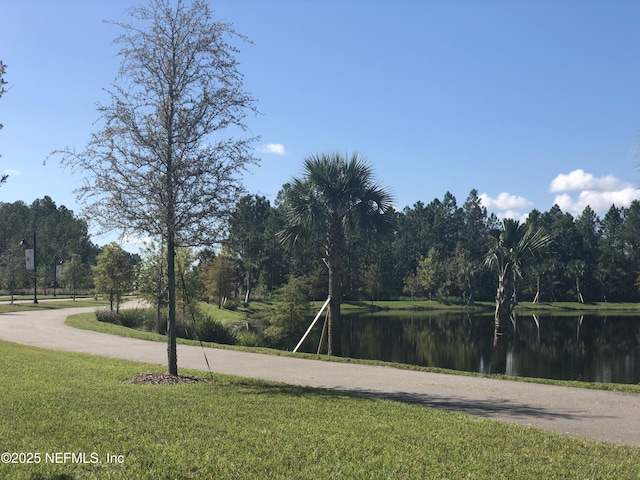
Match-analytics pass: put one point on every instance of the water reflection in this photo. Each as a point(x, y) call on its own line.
point(587, 348)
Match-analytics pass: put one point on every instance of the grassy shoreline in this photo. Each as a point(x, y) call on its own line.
point(68, 402)
point(521, 307)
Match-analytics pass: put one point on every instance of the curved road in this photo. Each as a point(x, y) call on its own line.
point(598, 415)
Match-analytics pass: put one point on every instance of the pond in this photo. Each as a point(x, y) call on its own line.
point(587, 348)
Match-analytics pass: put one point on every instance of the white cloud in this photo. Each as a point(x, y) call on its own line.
point(504, 201)
point(506, 205)
point(599, 201)
point(597, 192)
point(12, 172)
point(521, 217)
point(276, 148)
point(580, 180)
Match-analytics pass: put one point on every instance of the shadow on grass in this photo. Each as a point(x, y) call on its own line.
point(479, 408)
point(496, 409)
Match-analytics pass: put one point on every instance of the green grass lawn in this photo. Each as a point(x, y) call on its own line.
point(56, 402)
point(46, 304)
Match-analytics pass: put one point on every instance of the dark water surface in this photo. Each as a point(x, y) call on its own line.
point(587, 348)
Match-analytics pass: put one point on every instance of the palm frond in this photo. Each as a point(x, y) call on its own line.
point(333, 187)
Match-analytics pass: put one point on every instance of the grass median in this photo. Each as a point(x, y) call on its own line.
point(56, 403)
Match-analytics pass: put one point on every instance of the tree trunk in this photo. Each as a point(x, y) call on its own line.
point(504, 308)
point(333, 259)
point(578, 292)
point(171, 321)
point(335, 288)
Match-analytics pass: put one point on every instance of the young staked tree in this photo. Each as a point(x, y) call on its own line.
point(339, 197)
point(165, 163)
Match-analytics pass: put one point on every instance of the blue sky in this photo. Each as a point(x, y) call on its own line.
point(530, 102)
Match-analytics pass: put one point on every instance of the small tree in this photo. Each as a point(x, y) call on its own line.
point(290, 313)
point(152, 277)
point(430, 271)
point(162, 164)
point(373, 281)
point(12, 270)
point(113, 274)
point(220, 277)
point(74, 274)
point(412, 286)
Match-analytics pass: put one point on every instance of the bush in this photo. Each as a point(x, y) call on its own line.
point(107, 316)
point(205, 327)
point(209, 330)
point(154, 324)
point(127, 318)
point(289, 314)
point(250, 338)
point(232, 304)
point(132, 318)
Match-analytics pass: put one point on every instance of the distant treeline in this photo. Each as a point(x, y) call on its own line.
point(434, 251)
point(437, 250)
point(64, 250)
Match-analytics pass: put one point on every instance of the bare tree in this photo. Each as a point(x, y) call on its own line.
point(162, 164)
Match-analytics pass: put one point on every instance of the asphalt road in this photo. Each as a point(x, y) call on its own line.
point(592, 414)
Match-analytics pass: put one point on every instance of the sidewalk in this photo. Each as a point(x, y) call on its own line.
point(593, 414)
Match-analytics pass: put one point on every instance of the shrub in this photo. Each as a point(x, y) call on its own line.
point(289, 314)
point(131, 318)
point(154, 324)
point(231, 304)
point(107, 316)
point(250, 338)
point(127, 318)
point(208, 329)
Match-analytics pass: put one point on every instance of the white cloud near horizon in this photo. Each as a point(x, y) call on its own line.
point(276, 148)
point(600, 193)
point(504, 201)
point(580, 180)
point(599, 201)
point(506, 205)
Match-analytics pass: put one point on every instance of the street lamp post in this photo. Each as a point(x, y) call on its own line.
point(32, 264)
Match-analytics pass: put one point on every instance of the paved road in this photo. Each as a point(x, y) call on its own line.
point(599, 415)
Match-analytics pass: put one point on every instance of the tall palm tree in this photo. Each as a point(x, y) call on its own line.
point(338, 197)
point(510, 250)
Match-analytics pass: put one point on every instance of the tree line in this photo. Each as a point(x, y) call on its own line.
point(64, 251)
point(433, 250)
point(436, 251)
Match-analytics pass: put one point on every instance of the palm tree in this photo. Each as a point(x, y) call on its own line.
point(511, 249)
point(338, 197)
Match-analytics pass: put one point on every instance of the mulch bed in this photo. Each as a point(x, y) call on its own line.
point(164, 379)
